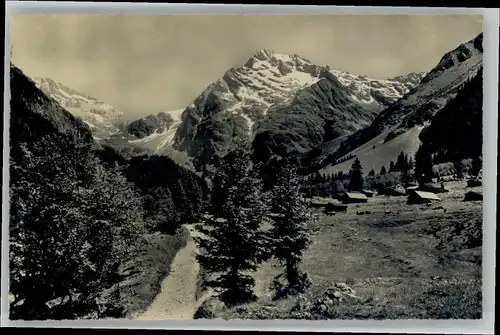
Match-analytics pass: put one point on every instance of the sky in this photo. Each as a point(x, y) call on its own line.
point(147, 64)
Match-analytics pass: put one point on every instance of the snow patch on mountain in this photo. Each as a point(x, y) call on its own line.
point(157, 141)
point(152, 134)
point(103, 119)
point(381, 91)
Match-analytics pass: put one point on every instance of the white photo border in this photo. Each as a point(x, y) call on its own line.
point(490, 123)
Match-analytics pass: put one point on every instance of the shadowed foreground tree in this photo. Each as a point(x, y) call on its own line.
point(233, 243)
point(289, 234)
point(71, 223)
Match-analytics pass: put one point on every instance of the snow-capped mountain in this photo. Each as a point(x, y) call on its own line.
point(402, 121)
point(273, 90)
point(104, 120)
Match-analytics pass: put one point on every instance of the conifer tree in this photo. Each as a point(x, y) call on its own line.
point(289, 233)
point(232, 241)
point(476, 166)
point(392, 167)
point(371, 173)
point(459, 169)
point(411, 163)
point(400, 162)
point(423, 165)
point(383, 170)
point(356, 174)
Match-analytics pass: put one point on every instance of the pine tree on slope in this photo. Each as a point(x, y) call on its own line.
point(232, 242)
point(356, 176)
point(289, 232)
point(383, 170)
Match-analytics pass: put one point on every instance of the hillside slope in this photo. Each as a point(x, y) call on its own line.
point(456, 131)
point(420, 104)
point(406, 117)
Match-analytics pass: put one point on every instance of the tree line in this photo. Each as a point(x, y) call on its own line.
point(400, 171)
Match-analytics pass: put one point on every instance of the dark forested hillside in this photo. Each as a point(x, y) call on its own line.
point(168, 188)
point(34, 115)
point(77, 211)
point(456, 131)
point(71, 219)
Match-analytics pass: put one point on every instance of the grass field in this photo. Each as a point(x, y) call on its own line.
point(389, 259)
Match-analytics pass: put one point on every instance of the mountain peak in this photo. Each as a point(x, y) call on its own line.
point(470, 51)
point(264, 54)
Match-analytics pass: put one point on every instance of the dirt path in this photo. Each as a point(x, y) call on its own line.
point(177, 299)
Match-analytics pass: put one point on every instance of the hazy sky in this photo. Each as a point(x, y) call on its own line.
point(148, 64)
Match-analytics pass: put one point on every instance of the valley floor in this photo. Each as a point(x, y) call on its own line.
point(390, 260)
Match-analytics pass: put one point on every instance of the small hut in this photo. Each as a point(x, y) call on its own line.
point(352, 197)
point(318, 202)
point(368, 193)
point(422, 197)
point(329, 212)
point(335, 207)
point(432, 188)
point(411, 189)
point(391, 191)
point(473, 196)
point(474, 183)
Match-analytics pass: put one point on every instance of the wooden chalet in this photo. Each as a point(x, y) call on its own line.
point(354, 197)
point(368, 193)
point(432, 188)
point(335, 207)
point(411, 189)
point(473, 196)
point(474, 183)
point(422, 197)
